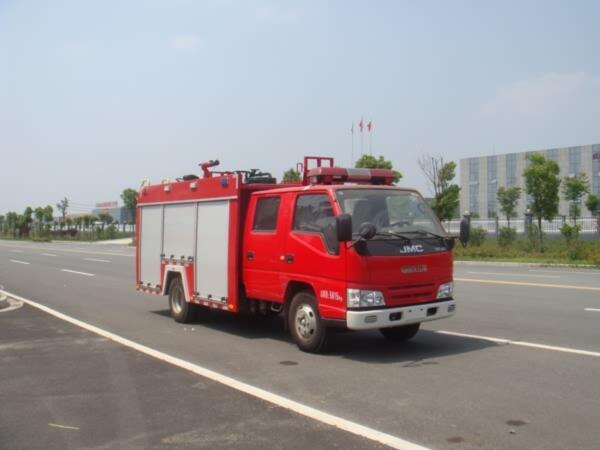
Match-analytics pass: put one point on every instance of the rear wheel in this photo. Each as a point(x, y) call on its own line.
point(306, 327)
point(399, 334)
point(181, 310)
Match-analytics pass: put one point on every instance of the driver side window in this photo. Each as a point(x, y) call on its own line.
point(314, 214)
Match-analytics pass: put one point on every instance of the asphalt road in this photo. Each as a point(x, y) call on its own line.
point(458, 384)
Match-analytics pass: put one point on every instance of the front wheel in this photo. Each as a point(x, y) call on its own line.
point(306, 327)
point(400, 334)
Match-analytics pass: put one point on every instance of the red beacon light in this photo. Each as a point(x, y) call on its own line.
point(339, 175)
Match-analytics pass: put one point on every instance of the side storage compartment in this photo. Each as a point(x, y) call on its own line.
point(212, 250)
point(150, 243)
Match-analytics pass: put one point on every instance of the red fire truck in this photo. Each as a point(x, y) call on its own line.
point(342, 248)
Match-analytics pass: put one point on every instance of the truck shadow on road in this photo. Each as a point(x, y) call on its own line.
point(363, 346)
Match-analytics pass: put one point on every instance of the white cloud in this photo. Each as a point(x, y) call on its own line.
point(185, 42)
point(540, 96)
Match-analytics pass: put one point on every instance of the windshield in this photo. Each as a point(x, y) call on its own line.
point(389, 210)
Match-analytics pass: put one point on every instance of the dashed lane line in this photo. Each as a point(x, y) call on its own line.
point(522, 283)
point(16, 261)
point(84, 252)
point(592, 309)
point(17, 251)
point(96, 260)
point(278, 400)
point(513, 274)
point(78, 272)
point(523, 343)
point(47, 254)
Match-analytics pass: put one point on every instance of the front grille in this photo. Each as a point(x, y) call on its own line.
point(413, 292)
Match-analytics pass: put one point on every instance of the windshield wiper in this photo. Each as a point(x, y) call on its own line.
point(428, 233)
point(392, 234)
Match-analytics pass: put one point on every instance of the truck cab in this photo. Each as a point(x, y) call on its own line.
point(358, 256)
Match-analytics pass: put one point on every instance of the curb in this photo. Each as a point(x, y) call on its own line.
point(522, 264)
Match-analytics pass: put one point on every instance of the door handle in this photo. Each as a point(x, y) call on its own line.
point(250, 255)
point(288, 258)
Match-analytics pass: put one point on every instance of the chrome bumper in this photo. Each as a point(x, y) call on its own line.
point(396, 317)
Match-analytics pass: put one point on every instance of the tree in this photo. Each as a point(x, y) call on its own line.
point(48, 214)
point(291, 176)
point(573, 189)
point(105, 218)
point(371, 162)
point(39, 216)
point(12, 221)
point(542, 184)
point(62, 207)
point(592, 203)
point(508, 199)
point(440, 176)
point(129, 197)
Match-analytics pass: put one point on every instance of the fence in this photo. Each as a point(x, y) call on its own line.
point(588, 225)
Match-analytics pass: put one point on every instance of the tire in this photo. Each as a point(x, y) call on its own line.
point(181, 310)
point(400, 334)
point(306, 327)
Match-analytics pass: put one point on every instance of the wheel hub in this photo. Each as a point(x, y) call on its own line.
point(306, 321)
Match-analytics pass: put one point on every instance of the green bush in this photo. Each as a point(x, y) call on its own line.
point(477, 236)
point(571, 234)
point(507, 236)
point(532, 239)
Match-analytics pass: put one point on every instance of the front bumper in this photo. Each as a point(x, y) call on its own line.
point(396, 317)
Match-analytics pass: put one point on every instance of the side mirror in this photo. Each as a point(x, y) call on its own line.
point(450, 242)
point(367, 231)
point(343, 225)
point(465, 231)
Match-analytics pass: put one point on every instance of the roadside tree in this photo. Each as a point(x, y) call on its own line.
point(440, 175)
point(129, 197)
point(573, 189)
point(542, 184)
point(508, 199)
point(291, 175)
point(62, 206)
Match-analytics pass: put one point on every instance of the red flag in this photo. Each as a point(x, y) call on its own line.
point(360, 125)
point(370, 126)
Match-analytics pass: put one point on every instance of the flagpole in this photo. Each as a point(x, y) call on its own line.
point(352, 135)
point(362, 137)
point(371, 142)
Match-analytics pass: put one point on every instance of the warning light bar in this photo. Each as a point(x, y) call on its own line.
point(339, 175)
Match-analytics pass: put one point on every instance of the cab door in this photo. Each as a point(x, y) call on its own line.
point(264, 238)
point(313, 253)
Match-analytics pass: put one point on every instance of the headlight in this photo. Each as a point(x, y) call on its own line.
point(445, 290)
point(357, 298)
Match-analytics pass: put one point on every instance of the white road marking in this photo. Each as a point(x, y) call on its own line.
point(523, 343)
point(47, 254)
point(85, 252)
point(97, 260)
point(520, 283)
point(590, 272)
point(514, 274)
point(17, 251)
point(16, 261)
point(78, 273)
point(592, 309)
point(278, 400)
point(66, 427)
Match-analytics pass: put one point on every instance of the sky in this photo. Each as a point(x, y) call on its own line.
point(97, 95)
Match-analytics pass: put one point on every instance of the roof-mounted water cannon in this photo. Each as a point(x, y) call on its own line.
point(206, 165)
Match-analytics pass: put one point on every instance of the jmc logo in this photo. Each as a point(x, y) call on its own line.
point(415, 248)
